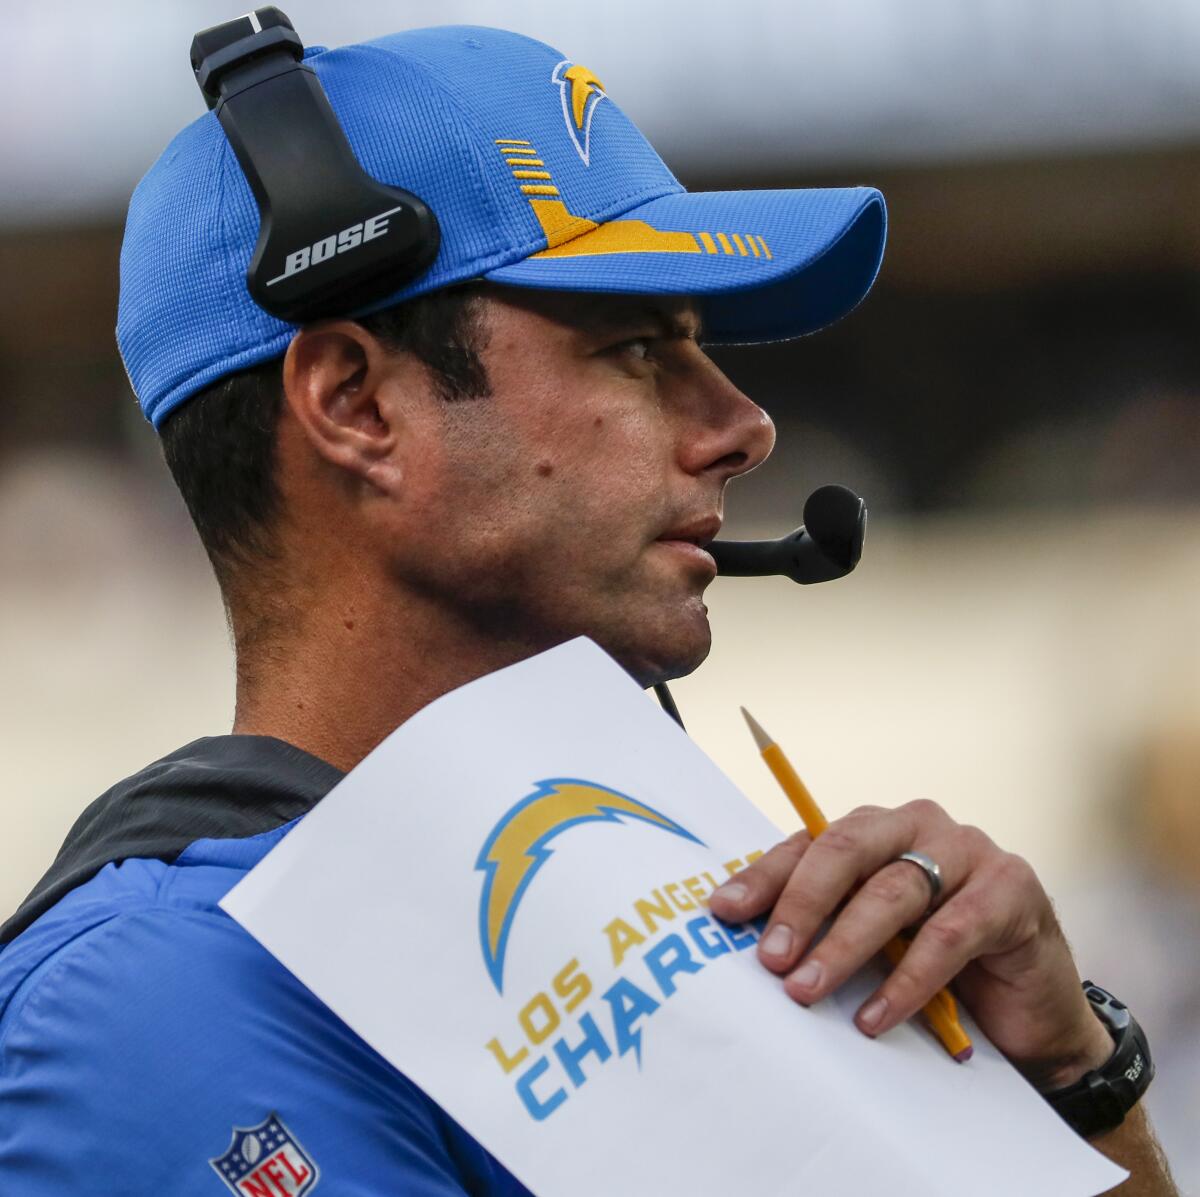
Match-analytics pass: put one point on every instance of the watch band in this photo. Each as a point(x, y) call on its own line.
point(1100, 1099)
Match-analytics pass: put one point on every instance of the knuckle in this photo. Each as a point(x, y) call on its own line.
point(780, 858)
point(797, 907)
point(904, 990)
point(767, 877)
point(1020, 870)
point(838, 839)
point(1032, 904)
point(951, 934)
point(777, 861)
point(976, 840)
point(867, 809)
point(925, 810)
point(798, 841)
point(1013, 874)
point(891, 887)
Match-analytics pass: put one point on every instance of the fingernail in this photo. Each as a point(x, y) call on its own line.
point(808, 975)
point(732, 892)
point(871, 1015)
point(777, 941)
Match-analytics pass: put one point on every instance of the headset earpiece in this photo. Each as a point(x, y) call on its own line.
point(331, 238)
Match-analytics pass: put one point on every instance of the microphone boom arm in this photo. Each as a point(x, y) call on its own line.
point(828, 545)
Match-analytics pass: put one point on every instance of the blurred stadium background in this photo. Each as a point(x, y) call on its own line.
point(1017, 400)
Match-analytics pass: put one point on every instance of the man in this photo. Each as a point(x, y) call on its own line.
point(523, 443)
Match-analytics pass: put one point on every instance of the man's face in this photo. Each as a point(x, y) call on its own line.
point(569, 501)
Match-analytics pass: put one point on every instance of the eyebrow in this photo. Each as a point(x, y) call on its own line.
point(686, 324)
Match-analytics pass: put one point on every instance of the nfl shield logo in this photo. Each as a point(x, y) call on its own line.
point(266, 1161)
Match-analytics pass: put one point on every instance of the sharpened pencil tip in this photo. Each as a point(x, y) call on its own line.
point(760, 737)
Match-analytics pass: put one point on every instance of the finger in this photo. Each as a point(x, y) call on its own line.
point(748, 893)
point(846, 853)
point(973, 922)
point(889, 900)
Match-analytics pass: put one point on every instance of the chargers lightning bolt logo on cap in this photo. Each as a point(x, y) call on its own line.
point(516, 849)
point(581, 92)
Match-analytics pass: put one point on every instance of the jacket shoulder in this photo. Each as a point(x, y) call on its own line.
point(137, 1048)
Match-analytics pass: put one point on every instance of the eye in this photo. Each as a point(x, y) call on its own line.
point(638, 347)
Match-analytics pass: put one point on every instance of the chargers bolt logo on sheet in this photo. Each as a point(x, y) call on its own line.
point(266, 1161)
point(635, 942)
point(516, 849)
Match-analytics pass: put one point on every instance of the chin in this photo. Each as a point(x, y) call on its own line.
point(676, 652)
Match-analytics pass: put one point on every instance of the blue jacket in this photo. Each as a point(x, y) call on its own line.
point(148, 1045)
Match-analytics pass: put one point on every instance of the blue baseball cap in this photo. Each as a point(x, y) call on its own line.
point(537, 178)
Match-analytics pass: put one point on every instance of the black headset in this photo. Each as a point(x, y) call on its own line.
point(330, 237)
point(333, 239)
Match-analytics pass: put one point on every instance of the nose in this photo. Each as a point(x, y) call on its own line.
point(727, 433)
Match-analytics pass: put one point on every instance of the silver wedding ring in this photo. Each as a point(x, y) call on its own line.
point(933, 874)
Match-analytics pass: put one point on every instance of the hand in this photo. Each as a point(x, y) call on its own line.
point(994, 933)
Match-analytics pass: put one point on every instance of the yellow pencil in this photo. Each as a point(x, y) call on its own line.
point(941, 1010)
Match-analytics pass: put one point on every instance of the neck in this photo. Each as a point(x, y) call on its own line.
point(349, 669)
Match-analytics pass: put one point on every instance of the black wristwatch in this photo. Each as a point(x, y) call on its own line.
point(1100, 1099)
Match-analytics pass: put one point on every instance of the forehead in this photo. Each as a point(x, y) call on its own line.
point(589, 312)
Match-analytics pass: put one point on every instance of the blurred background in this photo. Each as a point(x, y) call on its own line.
point(1017, 400)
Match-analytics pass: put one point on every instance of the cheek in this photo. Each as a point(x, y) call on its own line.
point(503, 492)
point(605, 470)
point(551, 476)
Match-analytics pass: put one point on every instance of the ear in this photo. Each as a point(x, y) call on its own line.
point(341, 385)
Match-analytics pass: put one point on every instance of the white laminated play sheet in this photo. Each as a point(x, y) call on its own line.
point(508, 900)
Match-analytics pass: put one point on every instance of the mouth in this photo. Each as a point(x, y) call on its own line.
point(701, 532)
point(690, 541)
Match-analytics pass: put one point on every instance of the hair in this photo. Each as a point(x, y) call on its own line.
point(220, 445)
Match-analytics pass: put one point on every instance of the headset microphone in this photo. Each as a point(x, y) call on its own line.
point(828, 545)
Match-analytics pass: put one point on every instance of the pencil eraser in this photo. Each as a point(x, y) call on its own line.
point(963, 1056)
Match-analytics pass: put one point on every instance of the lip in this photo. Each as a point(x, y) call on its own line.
point(701, 532)
point(690, 542)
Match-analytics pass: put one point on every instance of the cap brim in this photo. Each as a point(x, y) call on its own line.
point(767, 265)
